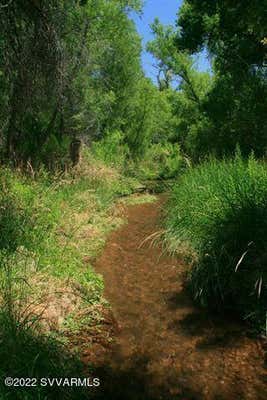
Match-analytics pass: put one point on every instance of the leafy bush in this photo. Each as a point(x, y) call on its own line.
point(162, 160)
point(220, 210)
point(111, 149)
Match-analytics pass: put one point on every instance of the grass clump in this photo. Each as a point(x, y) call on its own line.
point(219, 211)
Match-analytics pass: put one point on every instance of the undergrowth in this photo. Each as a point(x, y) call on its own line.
point(159, 161)
point(218, 213)
point(51, 229)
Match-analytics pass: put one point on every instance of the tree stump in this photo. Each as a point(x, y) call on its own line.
point(75, 151)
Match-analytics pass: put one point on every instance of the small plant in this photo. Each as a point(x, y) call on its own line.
point(220, 210)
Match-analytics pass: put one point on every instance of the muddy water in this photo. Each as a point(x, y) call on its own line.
point(166, 348)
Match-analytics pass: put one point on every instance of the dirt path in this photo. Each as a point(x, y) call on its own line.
point(165, 347)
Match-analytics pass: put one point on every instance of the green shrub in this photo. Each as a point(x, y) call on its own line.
point(161, 161)
point(220, 210)
point(111, 149)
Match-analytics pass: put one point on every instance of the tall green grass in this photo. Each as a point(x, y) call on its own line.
point(25, 225)
point(219, 211)
point(51, 227)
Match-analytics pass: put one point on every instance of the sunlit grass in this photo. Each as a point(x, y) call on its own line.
point(52, 229)
point(219, 211)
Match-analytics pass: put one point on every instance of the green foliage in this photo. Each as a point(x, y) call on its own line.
point(235, 104)
point(161, 161)
point(55, 151)
point(232, 32)
point(111, 149)
point(18, 213)
point(190, 125)
point(12, 218)
point(215, 113)
point(42, 216)
point(219, 210)
point(235, 109)
point(48, 227)
point(73, 70)
point(26, 354)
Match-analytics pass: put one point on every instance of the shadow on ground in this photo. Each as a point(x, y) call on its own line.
point(134, 383)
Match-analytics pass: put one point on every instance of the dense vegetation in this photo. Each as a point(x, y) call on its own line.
point(71, 73)
point(49, 291)
point(217, 113)
point(219, 209)
point(72, 70)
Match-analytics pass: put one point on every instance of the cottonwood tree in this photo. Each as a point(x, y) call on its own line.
point(67, 68)
point(234, 34)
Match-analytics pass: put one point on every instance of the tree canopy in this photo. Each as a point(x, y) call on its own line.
point(72, 69)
